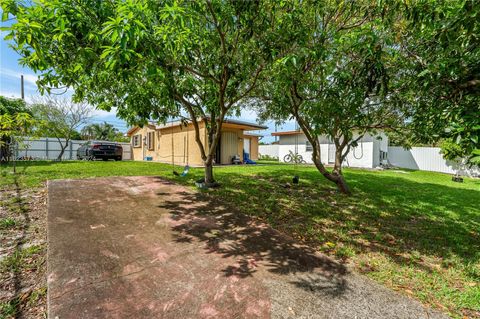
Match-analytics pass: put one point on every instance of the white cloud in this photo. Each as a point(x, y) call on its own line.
point(30, 79)
point(102, 113)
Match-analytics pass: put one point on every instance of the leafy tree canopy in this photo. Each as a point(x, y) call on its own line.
point(335, 80)
point(103, 131)
point(12, 106)
point(15, 122)
point(59, 118)
point(150, 59)
point(441, 72)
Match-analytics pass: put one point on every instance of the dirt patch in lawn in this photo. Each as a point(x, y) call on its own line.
point(22, 252)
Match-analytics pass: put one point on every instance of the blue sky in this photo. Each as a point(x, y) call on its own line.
point(11, 70)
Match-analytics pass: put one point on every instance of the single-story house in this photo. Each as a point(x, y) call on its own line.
point(370, 152)
point(175, 141)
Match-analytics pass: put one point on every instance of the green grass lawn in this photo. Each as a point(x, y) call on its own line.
point(416, 232)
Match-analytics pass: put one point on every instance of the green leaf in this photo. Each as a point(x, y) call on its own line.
point(4, 15)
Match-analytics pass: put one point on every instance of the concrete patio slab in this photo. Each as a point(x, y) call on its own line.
point(142, 247)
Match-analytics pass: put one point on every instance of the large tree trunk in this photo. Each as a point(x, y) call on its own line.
point(337, 170)
point(342, 185)
point(213, 139)
point(207, 157)
point(209, 179)
point(335, 177)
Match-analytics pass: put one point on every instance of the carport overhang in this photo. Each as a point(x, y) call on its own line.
point(297, 132)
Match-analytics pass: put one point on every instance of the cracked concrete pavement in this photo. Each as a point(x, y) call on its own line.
point(142, 247)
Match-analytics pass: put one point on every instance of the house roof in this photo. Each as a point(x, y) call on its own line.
point(253, 134)
point(131, 130)
point(255, 126)
point(298, 132)
point(287, 133)
point(247, 126)
point(136, 127)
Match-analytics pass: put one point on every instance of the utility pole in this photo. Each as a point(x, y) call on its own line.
point(275, 131)
point(22, 87)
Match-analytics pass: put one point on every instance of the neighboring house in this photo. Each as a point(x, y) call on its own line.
point(175, 141)
point(370, 152)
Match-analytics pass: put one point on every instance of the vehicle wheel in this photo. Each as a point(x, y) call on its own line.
point(118, 158)
point(287, 158)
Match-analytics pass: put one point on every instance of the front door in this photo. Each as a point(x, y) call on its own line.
point(246, 148)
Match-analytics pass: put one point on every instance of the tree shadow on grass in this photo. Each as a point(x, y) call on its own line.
point(393, 215)
point(18, 206)
point(251, 244)
point(432, 219)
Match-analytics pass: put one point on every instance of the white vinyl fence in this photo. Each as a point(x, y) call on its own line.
point(419, 158)
point(47, 148)
point(427, 159)
point(269, 150)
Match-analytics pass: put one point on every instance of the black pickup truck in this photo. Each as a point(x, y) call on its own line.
point(92, 150)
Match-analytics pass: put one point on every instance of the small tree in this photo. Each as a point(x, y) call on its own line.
point(15, 119)
point(103, 131)
point(59, 118)
point(334, 81)
point(151, 59)
point(12, 129)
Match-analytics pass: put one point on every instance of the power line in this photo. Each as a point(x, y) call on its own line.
point(108, 121)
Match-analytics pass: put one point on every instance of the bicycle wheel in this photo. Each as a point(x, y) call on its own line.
point(287, 158)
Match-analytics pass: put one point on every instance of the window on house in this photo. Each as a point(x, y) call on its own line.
point(150, 140)
point(308, 146)
point(136, 140)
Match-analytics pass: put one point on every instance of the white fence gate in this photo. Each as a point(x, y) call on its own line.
point(47, 148)
point(419, 158)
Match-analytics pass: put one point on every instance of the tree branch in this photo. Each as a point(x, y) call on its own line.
point(249, 89)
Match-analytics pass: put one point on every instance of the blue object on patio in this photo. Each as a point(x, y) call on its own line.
point(246, 158)
point(148, 158)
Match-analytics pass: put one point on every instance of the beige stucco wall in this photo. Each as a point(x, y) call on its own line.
point(185, 148)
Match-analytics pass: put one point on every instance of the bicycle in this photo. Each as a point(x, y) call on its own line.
point(292, 157)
